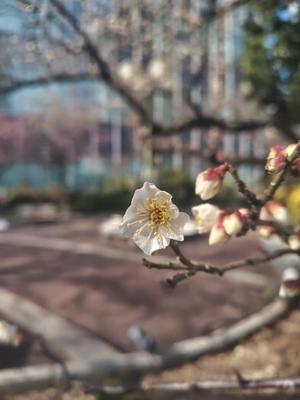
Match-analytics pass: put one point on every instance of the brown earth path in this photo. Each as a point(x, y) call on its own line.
point(109, 294)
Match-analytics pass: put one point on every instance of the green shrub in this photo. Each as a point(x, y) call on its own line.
point(180, 186)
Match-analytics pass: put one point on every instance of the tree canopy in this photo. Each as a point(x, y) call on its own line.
point(272, 58)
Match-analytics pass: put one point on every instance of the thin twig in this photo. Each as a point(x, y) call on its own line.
point(190, 268)
point(243, 188)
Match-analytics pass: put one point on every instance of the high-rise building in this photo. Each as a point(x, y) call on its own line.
point(183, 46)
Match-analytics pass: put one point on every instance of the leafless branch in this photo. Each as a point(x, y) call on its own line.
point(126, 366)
point(243, 188)
point(190, 388)
point(186, 268)
point(45, 80)
point(105, 73)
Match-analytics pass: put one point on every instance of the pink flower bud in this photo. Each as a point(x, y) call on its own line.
point(218, 235)
point(294, 241)
point(276, 160)
point(209, 182)
point(277, 211)
point(275, 151)
point(233, 223)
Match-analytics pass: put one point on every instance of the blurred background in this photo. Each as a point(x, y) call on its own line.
point(164, 90)
point(97, 96)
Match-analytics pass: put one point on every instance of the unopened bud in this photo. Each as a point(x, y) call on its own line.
point(209, 182)
point(276, 160)
point(206, 215)
point(218, 235)
point(233, 223)
point(277, 212)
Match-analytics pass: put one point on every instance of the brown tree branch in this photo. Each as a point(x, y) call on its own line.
point(126, 366)
point(199, 120)
point(103, 67)
point(186, 268)
point(190, 388)
point(243, 188)
point(64, 77)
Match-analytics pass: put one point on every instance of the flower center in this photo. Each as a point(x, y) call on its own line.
point(158, 212)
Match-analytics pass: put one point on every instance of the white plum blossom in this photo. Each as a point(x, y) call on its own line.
point(152, 220)
point(209, 182)
point(206, 215)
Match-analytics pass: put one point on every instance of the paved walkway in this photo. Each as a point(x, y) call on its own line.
point(101, 285)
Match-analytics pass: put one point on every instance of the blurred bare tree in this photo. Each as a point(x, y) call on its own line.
point(170, 63)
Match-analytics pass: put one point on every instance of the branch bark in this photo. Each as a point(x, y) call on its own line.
point(136, 365)
point(186, 268)
point(190, 388)
point(45, 80)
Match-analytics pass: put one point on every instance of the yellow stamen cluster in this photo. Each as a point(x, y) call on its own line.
point(158, 212)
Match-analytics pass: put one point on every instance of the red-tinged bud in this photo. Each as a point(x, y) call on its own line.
point(275, 151)
point(276, 160)
point(209, 182)
point(234, 222)
point(277, 211)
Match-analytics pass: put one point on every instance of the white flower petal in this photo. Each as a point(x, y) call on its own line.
point(148, 190)
point(152, 219)
point(149, 242)
point(174, 212)
point(162, 195)
point(174, 230)
point(217, 235)
point(206, 215)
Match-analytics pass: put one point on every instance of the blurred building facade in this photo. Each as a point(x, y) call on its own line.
point(206, 59)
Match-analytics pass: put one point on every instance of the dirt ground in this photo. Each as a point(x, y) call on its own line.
point(272, 353)
point(107, 296)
